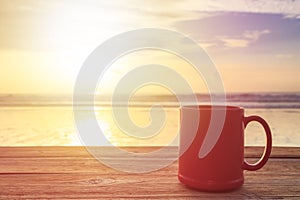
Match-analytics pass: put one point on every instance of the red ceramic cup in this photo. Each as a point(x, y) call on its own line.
point(222, 168)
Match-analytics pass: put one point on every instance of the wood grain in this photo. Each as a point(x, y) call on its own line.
point(71, 172)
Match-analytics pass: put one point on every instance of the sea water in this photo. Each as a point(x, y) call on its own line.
point(30, 121)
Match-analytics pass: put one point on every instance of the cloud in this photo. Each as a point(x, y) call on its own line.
point(255, 35)
point(290, 8)
point(235, 42)
point(65, 24)
point(284, 56)
point(206, 45)
point(247, 38)
point(265, 32)
point(44, 25)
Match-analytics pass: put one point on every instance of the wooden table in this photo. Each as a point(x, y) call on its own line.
point(70, 172)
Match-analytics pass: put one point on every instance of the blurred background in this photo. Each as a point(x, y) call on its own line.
point(255, 46)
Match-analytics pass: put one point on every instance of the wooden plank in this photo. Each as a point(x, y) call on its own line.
point(58, 172)
point(74, 151)
point(80, 151)
point(269, 181)
point(91, 165)
point(277, 152)
point(265, 183)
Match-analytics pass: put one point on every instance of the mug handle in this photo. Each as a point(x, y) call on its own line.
point(259, 164)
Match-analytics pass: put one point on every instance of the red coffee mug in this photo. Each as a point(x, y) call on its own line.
point(222, 167)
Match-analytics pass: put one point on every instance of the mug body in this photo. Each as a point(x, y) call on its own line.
point(222, 168)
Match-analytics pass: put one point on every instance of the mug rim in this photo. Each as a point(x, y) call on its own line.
point(209, 107)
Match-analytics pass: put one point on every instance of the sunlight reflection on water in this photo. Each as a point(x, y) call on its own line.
point(49, 126)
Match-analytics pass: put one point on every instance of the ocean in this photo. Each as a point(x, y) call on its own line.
point(40, 120)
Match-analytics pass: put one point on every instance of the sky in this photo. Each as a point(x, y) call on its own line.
point(255, 45)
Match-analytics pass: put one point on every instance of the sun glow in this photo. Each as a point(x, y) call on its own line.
point(44, 43)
